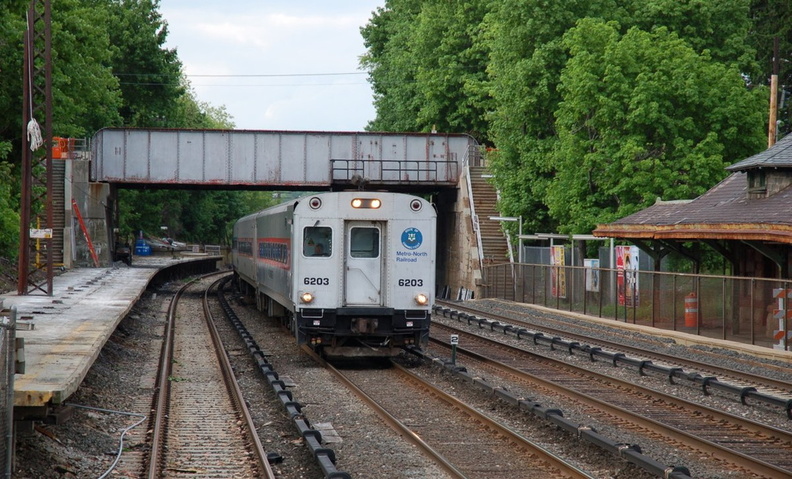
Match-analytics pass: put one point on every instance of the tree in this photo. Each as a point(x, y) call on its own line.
point(643, 115)
point(427, 65)
point(85, 92)
point(772, 22)
point(451, 59)
point(149, 75)
point(391, 65)
point(11, 24)
point(528, 56)
point(110, 68)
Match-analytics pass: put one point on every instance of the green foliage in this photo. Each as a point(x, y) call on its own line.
point(772, 22)
point(722, 29)
point(634, 114)
point(392, 66)
point(193, 113)
point(195, 216)
point(149, 74)
point(9, 212)
point(110, 68)
point(427, 64)
point(643, 116)
point(85, 93)
point(595, 107)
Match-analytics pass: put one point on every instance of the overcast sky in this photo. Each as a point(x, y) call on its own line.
point(270, 58)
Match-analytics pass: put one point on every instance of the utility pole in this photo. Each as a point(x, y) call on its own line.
point(36, 211)
point(771, 127)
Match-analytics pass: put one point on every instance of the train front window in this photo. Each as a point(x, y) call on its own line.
point(364, 243)
point(317, 241)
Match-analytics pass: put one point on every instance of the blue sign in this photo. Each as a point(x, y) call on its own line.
point(412, 238)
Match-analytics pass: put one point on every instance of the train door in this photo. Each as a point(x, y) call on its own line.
point(363, 263)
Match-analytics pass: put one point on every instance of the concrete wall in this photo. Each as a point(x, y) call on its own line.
point(91, 199)
point(457, 245)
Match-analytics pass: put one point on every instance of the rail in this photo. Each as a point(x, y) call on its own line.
point(740, 309)
point(164, 412)
point(325, 457)
point(742, 392)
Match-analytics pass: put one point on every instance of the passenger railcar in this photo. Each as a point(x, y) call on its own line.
point(351, 273)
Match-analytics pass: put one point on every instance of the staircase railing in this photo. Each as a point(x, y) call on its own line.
point(476, 155)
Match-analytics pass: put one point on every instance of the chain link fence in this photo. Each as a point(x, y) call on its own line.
point(746, 310)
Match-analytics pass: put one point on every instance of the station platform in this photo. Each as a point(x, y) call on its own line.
point(71, 327)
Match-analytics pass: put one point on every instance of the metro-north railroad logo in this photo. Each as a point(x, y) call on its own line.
point(411, 238)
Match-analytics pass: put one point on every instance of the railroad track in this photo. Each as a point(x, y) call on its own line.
point(748, 445)
point(461, 440)
point(201, 426)
point(759, 388)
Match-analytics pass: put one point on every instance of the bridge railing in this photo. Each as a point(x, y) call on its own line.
point(742, 309)
point(394, 171)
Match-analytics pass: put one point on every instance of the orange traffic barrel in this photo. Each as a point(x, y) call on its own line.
point(691, 310)
point(57, 147)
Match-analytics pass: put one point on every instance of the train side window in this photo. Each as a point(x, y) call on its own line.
point(364, 243)
point(317, 241)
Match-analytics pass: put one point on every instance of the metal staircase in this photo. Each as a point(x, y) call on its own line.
point(58, 197)
point(493, 244)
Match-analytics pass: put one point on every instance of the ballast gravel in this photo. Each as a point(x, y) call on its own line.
point(85, 445)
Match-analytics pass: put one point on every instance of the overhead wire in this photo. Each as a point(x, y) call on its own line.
point(256, 75)
point(244, 75)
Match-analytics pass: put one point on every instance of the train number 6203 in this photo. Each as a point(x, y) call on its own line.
point(410, 282)
point(317, 281)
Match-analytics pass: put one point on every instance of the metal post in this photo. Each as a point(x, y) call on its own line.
point(634, 299)
point(614, 291)
point(723, 311)
point(654, 285)
point(585, 291)
point(520, 243)
point(786, 317)
point(600, 295)
point(674, 300)
point(37, 177)
point(454, 343)
point(533, 284)
point(612, 265)
point(10, 370)
point(700, 309)
point(753, 287)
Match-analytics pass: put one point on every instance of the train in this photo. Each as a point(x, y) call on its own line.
point(350, 273)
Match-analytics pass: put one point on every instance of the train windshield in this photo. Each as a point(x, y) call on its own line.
point(317, 241)
point(364, 242)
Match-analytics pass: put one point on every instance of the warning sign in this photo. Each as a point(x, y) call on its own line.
point(45, 233)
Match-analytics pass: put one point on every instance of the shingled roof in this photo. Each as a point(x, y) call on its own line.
point(723, 212)
point(777, 156)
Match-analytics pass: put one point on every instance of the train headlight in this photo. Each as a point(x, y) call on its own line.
point(370, 203)
point(422, 299)
point(306, 297)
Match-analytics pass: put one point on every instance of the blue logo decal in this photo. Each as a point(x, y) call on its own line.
point(412, 238)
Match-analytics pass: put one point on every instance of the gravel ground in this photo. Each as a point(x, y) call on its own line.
point(86, 445)
point(665, 453)
point(365, 439)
